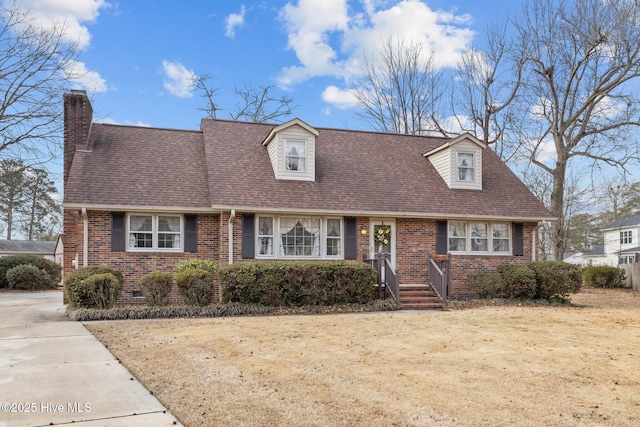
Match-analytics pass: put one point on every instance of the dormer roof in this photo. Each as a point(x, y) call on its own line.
point(287, 125)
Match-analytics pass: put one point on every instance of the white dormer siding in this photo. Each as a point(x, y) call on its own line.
point(292, 148)
point(459, 162)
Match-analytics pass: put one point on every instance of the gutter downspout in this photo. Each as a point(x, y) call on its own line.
point(85, 238)
point(232, 216)
point(533, 244)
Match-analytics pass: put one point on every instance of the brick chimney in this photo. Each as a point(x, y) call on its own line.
point(78, 114)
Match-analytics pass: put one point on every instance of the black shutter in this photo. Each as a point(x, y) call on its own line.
point(350, 239)
point(190, 233)
point(117, 231)
point(248, 236)
point(441, 237)
point(518, 239)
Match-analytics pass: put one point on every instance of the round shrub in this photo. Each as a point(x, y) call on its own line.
point(603, 276)
point(196, 286)
point(156, 287)
point(85, 293)
point(28, 277)
point(488, 285)
point(556, 279)
point(519, 281)
point(53, 270)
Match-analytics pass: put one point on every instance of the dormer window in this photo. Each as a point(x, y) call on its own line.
point(292, 151)
point(459, 162)
point(465, 167)
point(296, 158)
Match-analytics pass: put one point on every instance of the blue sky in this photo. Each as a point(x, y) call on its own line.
point(139, 55)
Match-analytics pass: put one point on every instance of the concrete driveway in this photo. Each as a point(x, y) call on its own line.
point(53, 371)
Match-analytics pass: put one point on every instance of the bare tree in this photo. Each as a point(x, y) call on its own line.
point(209, 93)
point(581, 62)
point(255, 104)
point(487, 84)
point(34, 64)
point(399, 89)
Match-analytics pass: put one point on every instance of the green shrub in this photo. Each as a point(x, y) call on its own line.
point(194, 263)
point(603, 276)
point(196, 286)
point(28, 277)
point(488, 285)
point(156, 287)
point(297, 283)
point(53, 270)
point(83, 293)
point(519, 281)
point(556, 279)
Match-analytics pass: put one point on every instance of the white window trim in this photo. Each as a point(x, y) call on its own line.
point(277, 238)
point(154, 232)
point(489, 250)
point(305, 170)
point(472, 167)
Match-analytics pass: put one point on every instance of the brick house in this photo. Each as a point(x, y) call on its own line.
point(141, 199)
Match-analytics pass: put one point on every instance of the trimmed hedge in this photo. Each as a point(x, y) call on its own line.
point(556, 279)
point(28, 277)
point(603, 276)
point(84, 290)
point(196, 286)
point(156, 287)
point(195, 263)
point(297, 283)
point(51, 268)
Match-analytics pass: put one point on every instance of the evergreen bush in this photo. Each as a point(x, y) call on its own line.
point(28, 277)
point(603, 276)
point(156, 287)
point(101, 292)
point(519, 281)
point(195, 286)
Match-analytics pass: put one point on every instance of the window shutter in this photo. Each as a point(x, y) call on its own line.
point(350, 239)
point(518, 239)
point(441, 237)
point(190, 233)
point(117, 231)
point(248, 236)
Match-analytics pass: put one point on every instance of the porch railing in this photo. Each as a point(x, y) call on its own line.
point(387, 277)
point(439, 277)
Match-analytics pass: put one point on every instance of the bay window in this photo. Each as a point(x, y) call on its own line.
point(299, 237)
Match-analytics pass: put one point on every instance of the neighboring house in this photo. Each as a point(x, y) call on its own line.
point(45, 249)
point(576, 258)
point(141, 199)
point(621, 243)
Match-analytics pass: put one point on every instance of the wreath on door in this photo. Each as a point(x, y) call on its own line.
point(382, 235)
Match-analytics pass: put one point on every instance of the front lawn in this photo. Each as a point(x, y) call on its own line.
point(500, 365)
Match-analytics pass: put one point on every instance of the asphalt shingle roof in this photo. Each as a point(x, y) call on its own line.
point(628, 221)
point(226, 166)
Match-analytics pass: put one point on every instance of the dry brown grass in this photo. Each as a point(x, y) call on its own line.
point(493, 366)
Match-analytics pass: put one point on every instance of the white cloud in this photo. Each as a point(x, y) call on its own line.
point(342, 99)
point(234, 20)
point(178, 79)
point(330, 39)
point(78, 74)
point(72, 13)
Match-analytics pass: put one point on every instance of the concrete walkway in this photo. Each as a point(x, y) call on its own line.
point(54, 372)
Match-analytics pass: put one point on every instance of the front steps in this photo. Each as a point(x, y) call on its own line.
point(419, 297)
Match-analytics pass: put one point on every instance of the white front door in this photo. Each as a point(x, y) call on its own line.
point(382, 238)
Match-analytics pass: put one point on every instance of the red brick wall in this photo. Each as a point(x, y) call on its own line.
point(133, 265)
point(77, 121)
point(416, 241)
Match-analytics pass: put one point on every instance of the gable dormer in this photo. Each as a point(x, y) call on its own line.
point(459, 162)
point(292, 150)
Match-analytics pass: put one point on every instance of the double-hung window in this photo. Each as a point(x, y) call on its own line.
point(299, 237)
point(295, 155)
point(479, 237)
point(155, 232)
point(625, 237)
point(465, 167)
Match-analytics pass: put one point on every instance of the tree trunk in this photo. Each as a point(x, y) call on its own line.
point(558, 238)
